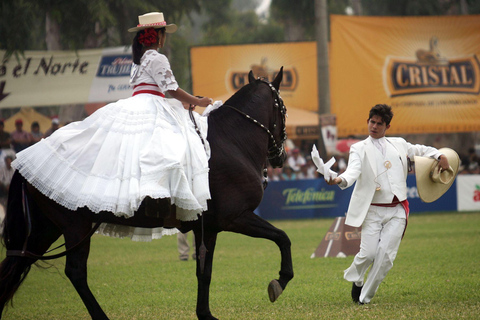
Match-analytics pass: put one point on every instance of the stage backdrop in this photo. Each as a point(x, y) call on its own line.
point(426, 68)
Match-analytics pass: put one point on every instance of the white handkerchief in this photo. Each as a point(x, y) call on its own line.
point(212, 107)
point(323, 168)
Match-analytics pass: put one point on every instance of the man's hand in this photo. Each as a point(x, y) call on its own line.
point(334, 181)
point(444, 162)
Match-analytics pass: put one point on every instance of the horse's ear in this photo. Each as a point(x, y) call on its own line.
point(278, 79)
point(251, 78)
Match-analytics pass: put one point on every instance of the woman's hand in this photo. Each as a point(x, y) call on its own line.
point(204, 101)
point(188, 99)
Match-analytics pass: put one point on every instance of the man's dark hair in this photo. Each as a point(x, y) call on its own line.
point(383, 111)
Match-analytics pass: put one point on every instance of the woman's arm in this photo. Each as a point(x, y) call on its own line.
point(186, 97)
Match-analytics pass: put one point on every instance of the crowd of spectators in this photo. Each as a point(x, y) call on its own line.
point(470, 163)
point(299, 165)
point(13, 142)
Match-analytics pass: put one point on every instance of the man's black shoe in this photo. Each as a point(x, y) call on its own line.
point(356, 293)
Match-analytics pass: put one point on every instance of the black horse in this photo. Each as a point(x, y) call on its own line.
point(244, 134)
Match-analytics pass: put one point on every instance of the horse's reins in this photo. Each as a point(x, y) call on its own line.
point(277, 149)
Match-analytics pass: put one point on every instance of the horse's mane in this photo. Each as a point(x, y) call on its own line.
point(220, 123)
point(242, 96)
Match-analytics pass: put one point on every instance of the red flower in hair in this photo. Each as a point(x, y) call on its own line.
point(148, 37)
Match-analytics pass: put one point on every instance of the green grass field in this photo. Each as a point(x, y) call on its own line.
point(436, 276)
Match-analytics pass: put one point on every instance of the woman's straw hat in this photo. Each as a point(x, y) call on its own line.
point(153, 20)
point(431, 183)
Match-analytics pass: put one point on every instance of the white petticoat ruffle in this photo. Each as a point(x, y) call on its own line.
point(133, 148)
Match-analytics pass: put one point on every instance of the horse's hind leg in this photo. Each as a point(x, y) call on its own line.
point(14, 269)
point(252, 225)
point(74, 226)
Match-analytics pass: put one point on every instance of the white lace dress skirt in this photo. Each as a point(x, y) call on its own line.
point(133, 148)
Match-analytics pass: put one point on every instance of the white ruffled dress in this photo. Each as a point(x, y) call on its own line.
point(145, 145)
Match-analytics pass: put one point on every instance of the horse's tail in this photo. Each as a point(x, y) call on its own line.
point(13, 269)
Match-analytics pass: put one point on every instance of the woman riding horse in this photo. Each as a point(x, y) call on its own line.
point(243, 135)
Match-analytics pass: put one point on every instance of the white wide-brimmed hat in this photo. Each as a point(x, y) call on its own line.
point(153, 20)
point(432, 183)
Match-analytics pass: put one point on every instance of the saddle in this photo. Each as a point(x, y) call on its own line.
point(161, 209)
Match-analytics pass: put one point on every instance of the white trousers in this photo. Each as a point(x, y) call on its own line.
point(382, 233)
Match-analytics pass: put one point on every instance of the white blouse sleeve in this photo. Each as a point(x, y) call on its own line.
point(159, 69)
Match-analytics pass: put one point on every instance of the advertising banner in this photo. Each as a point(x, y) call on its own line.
point(300, 199)
point(220, 71)
point(44, 78)
point(426, 68)
point(468, 192)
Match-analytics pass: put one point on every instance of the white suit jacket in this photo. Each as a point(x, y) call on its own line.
point(362, 169)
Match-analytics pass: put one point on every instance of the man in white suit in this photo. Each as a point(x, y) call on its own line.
point(379, 166)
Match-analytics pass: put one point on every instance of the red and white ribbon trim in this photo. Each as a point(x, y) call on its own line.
point(147, 88)
point(163, 23)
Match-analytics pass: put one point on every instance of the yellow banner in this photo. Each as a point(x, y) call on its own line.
point(426, 68)
point(219, 71)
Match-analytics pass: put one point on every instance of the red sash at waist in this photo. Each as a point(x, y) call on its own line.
point(147, 88)
point(394, 203)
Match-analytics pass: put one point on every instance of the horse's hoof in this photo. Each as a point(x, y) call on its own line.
point(274, 290)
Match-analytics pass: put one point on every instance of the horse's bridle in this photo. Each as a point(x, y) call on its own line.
point(277, 149)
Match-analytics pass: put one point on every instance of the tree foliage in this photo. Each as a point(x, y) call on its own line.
point(417, 8)
point(84, 24)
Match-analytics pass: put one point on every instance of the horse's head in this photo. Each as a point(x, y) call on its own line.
point(276, 127)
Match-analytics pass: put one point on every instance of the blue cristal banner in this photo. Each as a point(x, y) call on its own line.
point(302, 199)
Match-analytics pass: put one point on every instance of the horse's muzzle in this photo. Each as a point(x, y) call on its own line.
point(277, 162)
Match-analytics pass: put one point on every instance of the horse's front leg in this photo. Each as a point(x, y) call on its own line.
point(204, 271)
point(78, 226)
point(76, 271)
point(252, 225)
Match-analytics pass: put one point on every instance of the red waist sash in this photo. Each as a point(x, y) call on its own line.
point(394, 203)
point(147, 88)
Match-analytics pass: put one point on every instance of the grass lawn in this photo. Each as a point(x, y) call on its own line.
point(436, 276)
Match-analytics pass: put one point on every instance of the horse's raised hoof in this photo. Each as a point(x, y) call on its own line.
point(274, 290)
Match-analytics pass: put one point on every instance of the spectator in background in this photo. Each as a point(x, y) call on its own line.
point(6, 174)
point(4, 137)
point(35, 132)
point(288, 174)
point(472, 161)
point(273, 174)
point(312, 169)
point(21, 139)
point(53, 128)
point(184, 248)
point(342, 165)
point(5, 144)
point(306, 173)
point(296, 160)
point(473, 168)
